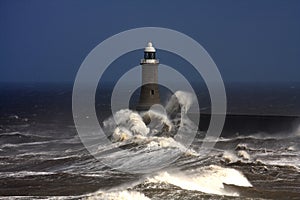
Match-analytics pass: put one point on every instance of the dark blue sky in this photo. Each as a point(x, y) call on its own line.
point(249, 40)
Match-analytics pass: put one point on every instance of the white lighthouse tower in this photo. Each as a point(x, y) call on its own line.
point(149, 91)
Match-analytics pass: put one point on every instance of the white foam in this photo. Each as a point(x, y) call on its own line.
point(292, 160)
point(121, 134)
point(243, 154)
point(137, 125)
point(159, 121)
point(163, 142)
point(229, 157)
point(25, 144)
point(118, 195)
point(24, 174)
point(207, 179)
point(291, 148)
point(125, 124)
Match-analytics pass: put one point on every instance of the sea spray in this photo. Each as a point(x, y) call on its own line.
point(180, 102)
point(157, 120)
point(124, 124)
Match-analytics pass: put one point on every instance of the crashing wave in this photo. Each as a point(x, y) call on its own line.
point(210, 179)
point(125, 124)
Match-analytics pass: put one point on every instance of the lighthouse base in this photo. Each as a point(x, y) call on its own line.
point(149, 96)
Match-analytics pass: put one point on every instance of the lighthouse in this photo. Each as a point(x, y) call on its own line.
point(149, 94)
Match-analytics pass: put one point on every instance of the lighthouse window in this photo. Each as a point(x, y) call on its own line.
point(152, 92)
point(152, 55)
point(149, 55)
point(145, 55)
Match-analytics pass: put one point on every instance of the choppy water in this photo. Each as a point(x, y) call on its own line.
point(45, 159)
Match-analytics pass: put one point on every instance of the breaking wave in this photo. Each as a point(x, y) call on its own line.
point(210, 179)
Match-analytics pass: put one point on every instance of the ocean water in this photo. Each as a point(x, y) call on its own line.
point(42, 156)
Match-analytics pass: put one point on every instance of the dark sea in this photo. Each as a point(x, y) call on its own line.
point(257, 155)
